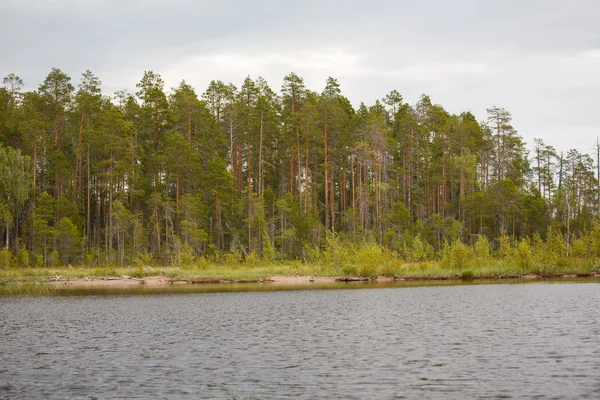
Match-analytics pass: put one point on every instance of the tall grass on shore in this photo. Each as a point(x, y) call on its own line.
point(342, 258)
point(26, 287)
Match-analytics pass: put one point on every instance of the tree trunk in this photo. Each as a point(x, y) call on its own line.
point(260, 156)
point(88, 212)
point(306, 188)
point(326, 186)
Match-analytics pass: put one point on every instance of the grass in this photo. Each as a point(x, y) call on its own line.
point(259, 270)
point(192, 272)
point(365, 262)
point(30, 288)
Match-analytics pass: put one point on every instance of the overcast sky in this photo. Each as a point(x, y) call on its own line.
point(539, 59)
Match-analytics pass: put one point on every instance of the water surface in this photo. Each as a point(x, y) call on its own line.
point(510, 341)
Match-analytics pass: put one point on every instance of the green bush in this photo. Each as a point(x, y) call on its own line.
point(524, 255)
point(467, 274)
point(458, 255)
point(6, 258)
point(505, 250)
point(203, 263)
point(482, 250)
point(336, 253)
point(54, 259)
point(595, 238)
point(22, 258)
point(185, 255)
point(420, 250)
point(268, 251)
point(391, 263)
point(580, 248)
point(556, 254)
point(368, 258)
point(252, 259)
point(349, 270)
point(143, 259)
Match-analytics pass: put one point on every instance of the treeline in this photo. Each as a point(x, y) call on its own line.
point(168, 176)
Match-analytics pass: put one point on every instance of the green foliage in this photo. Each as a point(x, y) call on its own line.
point(368, 258)
point(556, 250)
point(144, 259)
point(419, 250)
point(54, 259)
point(68, 241)
point(482, 249)
point(252, 260)
point(505, 250)
point(246, 177)
point(452, 230)
point(336, 253)
point(580, 247)
point(350, 270)
point(595, 238)
point(193, 236)
point(232, 259)
point(22, 258)
point(186, 255)
point(6, 258)
point(467, 274)
point(312, 254)
point(524, 255)
point(268, 250)
point(457, 255)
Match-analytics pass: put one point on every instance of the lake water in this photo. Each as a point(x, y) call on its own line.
point(535, 340)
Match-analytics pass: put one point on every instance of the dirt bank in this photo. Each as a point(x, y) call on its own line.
point(128, 281)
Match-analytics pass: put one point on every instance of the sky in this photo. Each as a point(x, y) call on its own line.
point(538, 59)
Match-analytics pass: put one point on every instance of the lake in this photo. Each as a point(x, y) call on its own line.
point(448, 342)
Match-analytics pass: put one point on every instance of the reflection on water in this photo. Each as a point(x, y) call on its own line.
point(468, 341)
point(179, 288)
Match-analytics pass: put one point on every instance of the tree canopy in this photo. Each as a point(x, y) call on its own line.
point(85, 177)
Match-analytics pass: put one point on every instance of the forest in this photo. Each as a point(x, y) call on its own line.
point(169, 177)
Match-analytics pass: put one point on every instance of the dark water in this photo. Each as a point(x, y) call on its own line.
point(494, 341)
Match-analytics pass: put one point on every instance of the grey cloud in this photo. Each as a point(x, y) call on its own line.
point(466, 54)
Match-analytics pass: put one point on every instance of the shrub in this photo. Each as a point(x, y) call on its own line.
point(539, 249)
point(233, 259)
point(467, 274)
point(336, 253)
point(595, 238)
point(482, 249)
point(368, 258)
point(579, 248)
point(68, 241)
point(252, 259)
point(391, 263)
point(143, 259)
point(312, 254)
point(349, 270)
point(419, 251)
point(556, 253)
point(54, 259)
point(268, 251)
point(22, 258)
point(524, 255)
point(505, 251)
point(203, 263)
point(6, 258)
point(185, 255)
point(458, 255)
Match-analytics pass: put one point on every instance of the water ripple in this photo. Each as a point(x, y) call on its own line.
point(496, 341)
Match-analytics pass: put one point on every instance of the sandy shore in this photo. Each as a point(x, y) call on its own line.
point(128, 281)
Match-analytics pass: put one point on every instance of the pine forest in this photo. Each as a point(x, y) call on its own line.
point(169, 177)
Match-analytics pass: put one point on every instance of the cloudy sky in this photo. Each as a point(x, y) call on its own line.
point(539, 59)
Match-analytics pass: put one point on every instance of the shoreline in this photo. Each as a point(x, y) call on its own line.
point(282, 280)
